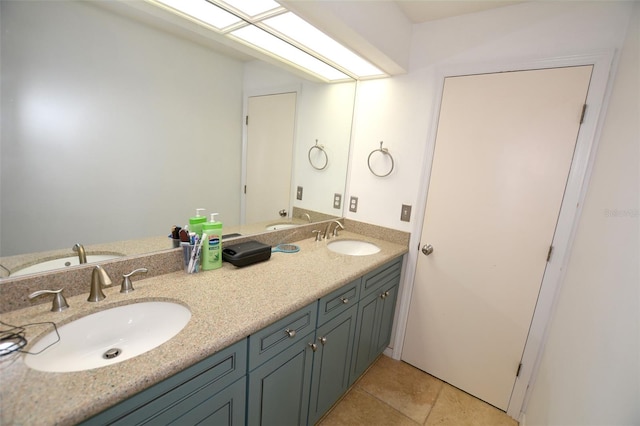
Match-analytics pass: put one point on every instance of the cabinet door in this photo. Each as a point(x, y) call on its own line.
point(373, 331)
point(387, 310)
point(279, 389)
point(366, 339)
point(332, 362)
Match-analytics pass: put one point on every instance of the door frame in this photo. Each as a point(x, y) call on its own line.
point(292, 88)
point(577, 184)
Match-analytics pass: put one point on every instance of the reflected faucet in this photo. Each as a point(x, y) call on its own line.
point(307, 216)
point(327, 234)
point(99, 279)
point(82, 256)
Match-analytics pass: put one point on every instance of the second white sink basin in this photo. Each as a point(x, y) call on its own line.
point(353, 247)
point(62, 262)
point(277, 226)
point(108, 337)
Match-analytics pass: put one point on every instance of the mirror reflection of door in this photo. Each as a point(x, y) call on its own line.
point(270, 134)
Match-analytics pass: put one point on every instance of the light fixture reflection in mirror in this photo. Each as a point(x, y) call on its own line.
point(135, 105)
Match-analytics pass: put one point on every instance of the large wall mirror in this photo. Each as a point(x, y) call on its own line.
point(117, 126)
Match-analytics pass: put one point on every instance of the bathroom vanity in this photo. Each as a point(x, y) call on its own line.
point(274, 343)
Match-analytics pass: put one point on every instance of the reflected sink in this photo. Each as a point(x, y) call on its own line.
point(353, 247)
point(108, 337)
point(276, 226)
point(62, 262)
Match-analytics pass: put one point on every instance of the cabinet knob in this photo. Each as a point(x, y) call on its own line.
point(290, 333)
point(345, 300)
point(313, 346)
point(323, 340)
point(384, 295)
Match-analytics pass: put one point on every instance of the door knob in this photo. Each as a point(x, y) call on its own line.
point(427, 249)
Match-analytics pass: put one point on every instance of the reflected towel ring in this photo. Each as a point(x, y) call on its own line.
point(322, 153)
point(384, 151)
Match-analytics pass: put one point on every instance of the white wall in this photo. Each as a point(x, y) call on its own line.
point(111, 130)
point(581, 380)
point(590, 371)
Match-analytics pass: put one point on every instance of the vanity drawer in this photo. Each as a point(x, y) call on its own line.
point(335, 303)
point(383, 275)
point(280, 335)
point(182, 392)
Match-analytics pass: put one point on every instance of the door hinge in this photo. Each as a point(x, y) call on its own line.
point(549, 253)
point(246, 120)
point(519, 368)
point(584, 111)
point(245, 189)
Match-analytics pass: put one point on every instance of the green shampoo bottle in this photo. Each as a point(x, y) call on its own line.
point(212, 249)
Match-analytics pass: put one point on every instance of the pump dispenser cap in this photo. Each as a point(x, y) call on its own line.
point(212, 224)
point(198, 218)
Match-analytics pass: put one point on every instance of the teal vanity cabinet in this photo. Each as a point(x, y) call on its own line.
point(378, 294)
point(280, 366)
point(289, 373)
point(212, 391)
point(334, 345)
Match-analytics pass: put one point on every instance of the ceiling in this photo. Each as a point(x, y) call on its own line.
point(419, 11)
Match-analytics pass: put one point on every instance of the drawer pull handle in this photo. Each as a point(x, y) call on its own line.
point(345, 300)
point(290, 333)
point(323, 340)
point(313, 346)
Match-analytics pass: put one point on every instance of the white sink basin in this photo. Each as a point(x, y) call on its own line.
point(353, 247)
point(276, 226)
point(108, 337)
point(62, 262)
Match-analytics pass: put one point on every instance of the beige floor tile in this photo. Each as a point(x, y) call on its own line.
point(360, 408)
point(457, 408)
point(403, 387)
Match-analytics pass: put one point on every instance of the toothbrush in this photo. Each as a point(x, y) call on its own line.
point(199, 251)
point(193, 254)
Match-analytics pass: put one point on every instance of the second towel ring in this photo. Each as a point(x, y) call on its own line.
point(322, 152)
point(384, 151)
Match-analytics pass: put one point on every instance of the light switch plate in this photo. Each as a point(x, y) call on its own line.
point(353, 204)
point(337, 201)
point(299, 193)
point(405, 214)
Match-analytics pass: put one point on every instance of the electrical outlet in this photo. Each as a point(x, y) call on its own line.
point(405, 214)
point(353, 204)
point(299, 193)
point(337, 201)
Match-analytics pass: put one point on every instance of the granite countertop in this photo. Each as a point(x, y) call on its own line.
point(227, 305)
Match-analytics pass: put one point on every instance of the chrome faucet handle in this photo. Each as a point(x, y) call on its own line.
point(82, 256)
point(59, 302)
point(99, 278)
point(127, 285)
point(318, 233)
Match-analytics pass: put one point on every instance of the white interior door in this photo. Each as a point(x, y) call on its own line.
point(270, 135)
point(503, 151)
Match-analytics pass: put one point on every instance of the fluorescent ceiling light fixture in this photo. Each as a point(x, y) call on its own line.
point(253, 7)
point(203, 11)
point(300, 31)
point(272, 44)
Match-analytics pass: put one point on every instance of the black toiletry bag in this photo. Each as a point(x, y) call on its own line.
point(246, 253)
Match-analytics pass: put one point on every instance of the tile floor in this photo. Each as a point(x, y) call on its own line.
point(395, 393)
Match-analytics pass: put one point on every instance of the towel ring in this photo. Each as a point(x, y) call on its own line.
point(384, 151)
point(322, 152)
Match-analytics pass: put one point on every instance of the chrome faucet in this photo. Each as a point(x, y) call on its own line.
point(327, 232)
point(99, 278)
point(307, 216)
point(82, 256)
